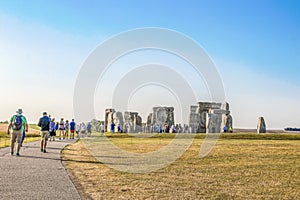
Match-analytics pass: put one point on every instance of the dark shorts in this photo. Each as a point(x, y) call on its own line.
point(52, 133)
point(72, 131)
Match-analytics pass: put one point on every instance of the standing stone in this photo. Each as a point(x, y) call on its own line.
point(209, 117)
point(163, 115)
point(214, 122)
point(194, 119)
point(108, 118)
point(133, 122)
point(149, 118)
point(261, 126)
point(138, 124)
point(118, 119)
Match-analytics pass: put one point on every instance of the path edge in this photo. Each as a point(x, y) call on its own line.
point(79, 188)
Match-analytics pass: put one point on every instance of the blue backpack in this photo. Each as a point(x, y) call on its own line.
point(17, 125)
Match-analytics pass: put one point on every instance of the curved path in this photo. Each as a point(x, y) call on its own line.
point(35, 175)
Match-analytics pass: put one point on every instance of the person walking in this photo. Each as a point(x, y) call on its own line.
point(52, 130)
point(17, 125)
point(44, 123)
point(61, 128)
point(56, 127)
point(82, 130)
point(77, 129)
point(89, 129)
point(112, 127)
point(72, 129)
point(67, 126)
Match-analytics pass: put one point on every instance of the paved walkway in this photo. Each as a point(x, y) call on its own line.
point(35, 175)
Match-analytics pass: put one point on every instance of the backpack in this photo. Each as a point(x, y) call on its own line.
point(17, 125)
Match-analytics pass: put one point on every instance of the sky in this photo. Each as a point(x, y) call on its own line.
point(255, 46)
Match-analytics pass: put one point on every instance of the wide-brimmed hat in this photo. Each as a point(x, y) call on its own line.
point(19, 111)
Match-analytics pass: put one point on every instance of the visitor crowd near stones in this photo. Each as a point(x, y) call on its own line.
point(18, 126)
point(178, 128)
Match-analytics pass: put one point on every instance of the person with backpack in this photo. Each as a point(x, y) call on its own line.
point(44, 123)
point(17, 125)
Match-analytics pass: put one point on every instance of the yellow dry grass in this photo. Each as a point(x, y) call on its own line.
point(235, 169)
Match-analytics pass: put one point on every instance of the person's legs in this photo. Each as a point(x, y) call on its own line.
point(23, 137)
point(19, 140)
point(46, 135)
point(42, 144)
point(44, 138)
point(61, 133)
point(45, 145)
point(12, 142)
point(72, 134)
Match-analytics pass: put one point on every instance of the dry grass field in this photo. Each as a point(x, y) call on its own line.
point(241, 166)
point(32, 135)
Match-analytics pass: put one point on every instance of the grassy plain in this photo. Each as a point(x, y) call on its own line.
point(32, 135)
point(241, 166)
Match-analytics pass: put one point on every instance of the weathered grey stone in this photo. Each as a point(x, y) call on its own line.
point(261, 126)
point(108, 118)
point(133, 122)
point(149, 119)
point(198, 119)
point(138, 124)
point(213, 123)
point(194, 119)
point(118, 119)
point(163, 115)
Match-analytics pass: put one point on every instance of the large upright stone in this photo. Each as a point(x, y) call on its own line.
point(261, 125)
point(149, 119)
point(200, 122)
point(163, 115)
point(194, 119)
point(214, 122)
point(108, 118)
point(133, 122)
point(118, 119)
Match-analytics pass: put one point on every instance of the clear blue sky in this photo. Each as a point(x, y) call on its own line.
point(257, 39)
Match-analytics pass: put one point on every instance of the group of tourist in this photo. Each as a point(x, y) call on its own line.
point(18, 126)
point(158, 128)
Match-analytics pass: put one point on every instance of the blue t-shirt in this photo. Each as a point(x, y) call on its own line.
point(44, 123)
point(72, 126)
